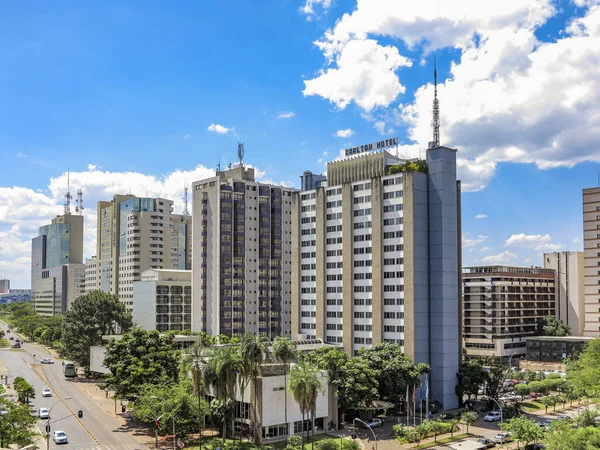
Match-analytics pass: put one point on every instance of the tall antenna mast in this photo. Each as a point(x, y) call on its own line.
point(68, 195)
point(79, 202)
point(435, 123)
point(241, 153)
point(185, 200)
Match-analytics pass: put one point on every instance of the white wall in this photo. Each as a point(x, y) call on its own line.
point(144, 304)
point(97, 354)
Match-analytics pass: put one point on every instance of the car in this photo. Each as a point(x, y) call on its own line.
point(16, 345)
point(503, 437)
point(46, 392)
point(533, 395)
point(7, 330)
point(375, 422)
point(493, 416)
point(487, 442)
point(12, 338)
point(43, 413)
point(60, 437)
point(535, 447)
point(47, 361)
point(563, 417)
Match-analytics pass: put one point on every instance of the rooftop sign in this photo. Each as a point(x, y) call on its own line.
point(379, 145)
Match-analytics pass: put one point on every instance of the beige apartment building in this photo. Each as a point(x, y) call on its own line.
point(502, 306)
point(591, 249)
point(570, 291)
point(92, 275)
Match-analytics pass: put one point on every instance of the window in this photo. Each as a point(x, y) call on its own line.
point(363, 263)
point(334, 228)
point(334, 216)
point(309, 219)
point(361, 225)
point(392, 208)
point(362, 212)
point(335, 204)
point(362, 237)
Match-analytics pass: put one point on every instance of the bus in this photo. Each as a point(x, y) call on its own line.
point(69, 369)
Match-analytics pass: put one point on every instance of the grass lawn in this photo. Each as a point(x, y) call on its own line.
point(445, 440)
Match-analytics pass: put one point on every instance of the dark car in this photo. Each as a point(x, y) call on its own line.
point(535, 447)
point(487, 442)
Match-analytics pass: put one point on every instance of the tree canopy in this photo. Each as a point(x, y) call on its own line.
point(419, 165)
point(470, 377)
point(523, 429)
point(584, 371)
point(16, 425)
point(552, 326)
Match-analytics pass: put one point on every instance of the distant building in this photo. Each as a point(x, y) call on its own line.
point(15, 295)
point(309, 180)
point(162, 300)
point(591, 249)
point(554, 348)
point(570, 296)
point(4, 286)
point(503, 306)
point(92, 275)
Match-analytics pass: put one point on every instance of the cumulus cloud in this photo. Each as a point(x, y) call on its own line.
point(501, 258)
point(539, 242)
point(21, 155)
point(286, 115)
point(187, 136)
point(468, 241)
point(220, 129)
point(344, 133)
point(310, 6)
point(481, 216)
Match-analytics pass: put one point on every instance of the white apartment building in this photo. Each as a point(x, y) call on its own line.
point(591, 249)
point(92, 275)
point(242, 259)
point(570, 291)
point(378, 260)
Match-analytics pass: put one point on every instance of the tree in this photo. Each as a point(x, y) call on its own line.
point(194, 361)
point(138, 358)
point(470, 377)
point(468, 418)
point(304, 385)
point(548, 401)
point(536, 387)
point(523, 430)
point(523, 390)
point(551, 326)
point(494, 379)
point(90, 317)
point(284, 351)
point(16, 424)
point(562, 436)
point(454, 426)
point(357, 387)
point(253, 349)
point(436, 427)
point(584, 370)
point(25, 391)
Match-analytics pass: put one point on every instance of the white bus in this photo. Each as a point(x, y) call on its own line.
point(69, 369)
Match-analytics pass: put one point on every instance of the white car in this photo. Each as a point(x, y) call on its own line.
point(493, 416)
point(375, 422)
point(503, 438)
point(47, 361)
point(46, 392)
point(43, 413)
point(59, 437)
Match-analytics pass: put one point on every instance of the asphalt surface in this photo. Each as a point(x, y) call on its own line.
point(97, 430)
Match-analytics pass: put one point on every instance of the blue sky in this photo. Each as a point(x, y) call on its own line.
point(125, 93)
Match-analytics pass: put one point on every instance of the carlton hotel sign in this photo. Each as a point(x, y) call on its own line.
point(379, 145)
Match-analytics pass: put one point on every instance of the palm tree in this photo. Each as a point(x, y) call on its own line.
point(284, 351)
point(305, 385)
point(194, 361)
point(253, 350)
point(468, 418)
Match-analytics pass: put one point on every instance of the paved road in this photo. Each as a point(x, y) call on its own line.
point(97, 430)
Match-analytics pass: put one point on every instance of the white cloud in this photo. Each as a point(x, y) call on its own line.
point(309, 7)
point(344, 133)
point(468, 241)
point(527, 261)
point(187, 136)
point(219, 128)
point(380, 126)
point(500, 258)
point(21, 155)
point(485, 249)
point(576, 240)
point(286, 115)
point(537, 242)
point(481, 216)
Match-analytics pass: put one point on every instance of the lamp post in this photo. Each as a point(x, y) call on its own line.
point(369, 427)
point(156, 419)
point(48, 422)
point(497, 403)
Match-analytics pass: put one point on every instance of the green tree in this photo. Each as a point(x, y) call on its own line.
point(523, 430)
point(548, 401)
point(140, 357)
point(494, 379)
point(357, 387)
point(284, 351)
point(437, 427)
point(16, 424)
point(468, 418)
point(193, 363)
point(536, 387)
point(562, 436)
point(523, 390)
point(25, 391)
point(454, 425)
point(90, 317)
point(551, 326)
point(253, 351)
point(551, 384)
point(584, 370)
point(470, 377)
point(304, 385)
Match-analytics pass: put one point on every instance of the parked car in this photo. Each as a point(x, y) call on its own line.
point(47, 361)
point(12, 338)
point(503, 437)
point(533, 395)
point(46, 392)
point(375, 422)
point(535, 447)
point(16, 345)
point(493, 416)
point(60, 437)
point(487, 442)
point(43, 413)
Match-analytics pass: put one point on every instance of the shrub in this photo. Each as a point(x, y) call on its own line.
point(327, 444)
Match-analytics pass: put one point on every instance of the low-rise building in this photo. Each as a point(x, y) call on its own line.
point(554, 348)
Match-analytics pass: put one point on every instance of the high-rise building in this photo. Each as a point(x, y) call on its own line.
point(57, 269)
point(309, 180)
point(136, 234)
point(502, 306)
point(92, 275)
point(570, 297)
point(591, 250)
point(242, 255)
point(376, 259)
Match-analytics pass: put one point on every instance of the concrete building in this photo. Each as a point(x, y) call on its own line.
point(57, 269)
point(310, 181)
point(162, 300)
point(502, 306)
point(4, 286)
point(378, 257)
point(591, 249)
point(570, 297)
point(242, 259)
point(554, 348)
point(92, 275)
point(8, 295)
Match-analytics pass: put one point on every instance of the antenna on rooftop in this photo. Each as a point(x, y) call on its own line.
point(68, 196)
point(79, 202)
point(185, 200)
point(241, 153)
point(435, 123)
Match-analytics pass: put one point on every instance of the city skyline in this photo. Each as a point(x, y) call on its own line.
point(112, 108)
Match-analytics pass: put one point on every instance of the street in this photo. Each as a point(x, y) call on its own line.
point(97, 430)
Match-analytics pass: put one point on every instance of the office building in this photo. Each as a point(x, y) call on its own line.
point(162, 300)
point(591, 250)
point(503, 306)
point(57, 269)
point(92, 275)
point(242, 259)
point(309, 181)
point(376, 259)
point(570, 297)
point(554, 348)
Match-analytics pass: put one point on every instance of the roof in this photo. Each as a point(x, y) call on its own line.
point(467, 445)
point(559, 338)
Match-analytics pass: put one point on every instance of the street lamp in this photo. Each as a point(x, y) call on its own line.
point(369, 427)
point(48, 421)
point(497, 403)
point(156, 419)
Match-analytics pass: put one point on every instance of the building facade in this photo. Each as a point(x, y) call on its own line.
point(57, 269)
point(378, 256)
point(570, 297)
point(162, 300)
point(502, 306)
point(92, 275)
point(591, 257)
point(554, 348)
point(242, 255)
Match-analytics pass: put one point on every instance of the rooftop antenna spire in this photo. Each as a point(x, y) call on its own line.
point(241, 153)
point(186, 212)
point(68, 196)
point(435, 123)
point(79, 202)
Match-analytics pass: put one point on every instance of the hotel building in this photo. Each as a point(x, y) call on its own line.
point(378, 255)
point(591, 249)
point(242, 255)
